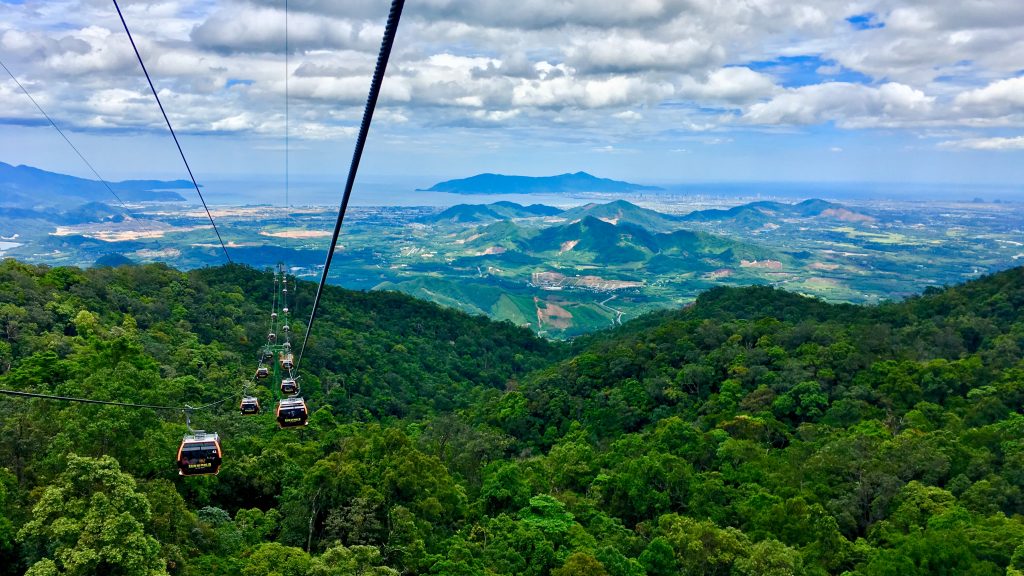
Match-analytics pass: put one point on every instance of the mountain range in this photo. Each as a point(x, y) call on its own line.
point(562, 183)
point(759, 213)
point(754, 214)
point(470, 213)
point(595, 241)
point(27, 187)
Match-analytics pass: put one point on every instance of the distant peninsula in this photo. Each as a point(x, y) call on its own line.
point(563, 183)
point(27, 187)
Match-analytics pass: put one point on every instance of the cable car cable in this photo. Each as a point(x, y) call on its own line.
point(169, 127)
point(111, 402)
point(88, 400)
point(212, 404)
point(371, 103)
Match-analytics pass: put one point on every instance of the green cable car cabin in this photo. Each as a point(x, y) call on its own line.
point(199, 454)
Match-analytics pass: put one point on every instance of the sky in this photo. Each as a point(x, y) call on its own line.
point(653, 91)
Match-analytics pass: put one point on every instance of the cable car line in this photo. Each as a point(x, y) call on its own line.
point(68, 140)
point(371, 103)
point(169, 127)
point(88, 400)
point(113, 403)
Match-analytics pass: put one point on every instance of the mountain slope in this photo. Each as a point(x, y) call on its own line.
point(623, 212)
point(756, 432)
point(471, 213)
point(502, 184)
point(28, 187)
point(764, 212)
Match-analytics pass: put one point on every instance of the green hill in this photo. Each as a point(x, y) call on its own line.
point(470, 213)
point(623, 212)
point(755, 432)
point(760, 213)
point(610, 244)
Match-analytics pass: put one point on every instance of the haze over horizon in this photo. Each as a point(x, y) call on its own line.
point(652, 92)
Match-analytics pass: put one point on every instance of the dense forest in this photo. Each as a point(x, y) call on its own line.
point(756, 432)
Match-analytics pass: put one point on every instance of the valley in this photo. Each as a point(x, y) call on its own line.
point(555, 269)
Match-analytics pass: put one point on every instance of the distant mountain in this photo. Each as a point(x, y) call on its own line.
point(93, 212)
point(75, 214)
point(514, 210)
point(502, 184)
point(596, 241)
point(625, 243)
point(113, 260)
point(760, 213)
point(471, 213)
point(623, 212)
point(617, 212)
point(28, 187)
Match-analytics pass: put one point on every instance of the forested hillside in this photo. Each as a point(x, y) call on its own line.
point(756, 432)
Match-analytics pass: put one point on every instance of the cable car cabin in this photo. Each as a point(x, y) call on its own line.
point(267, 355)
point(262, 372)
point(250, 406)
point(289, 386)
point(199, 454)
point(271, 337)
point(287, 361)
point(292, 412)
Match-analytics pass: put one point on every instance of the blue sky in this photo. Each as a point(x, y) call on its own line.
point(651, 90)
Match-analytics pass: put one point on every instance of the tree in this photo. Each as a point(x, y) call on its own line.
point(91, 521)
point(339, 560)
point(274, 559)
point(8, 553)
point(580, 564)
point(770, 558)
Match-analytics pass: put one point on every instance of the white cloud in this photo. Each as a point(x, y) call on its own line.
point(620, 53)
point(566, 91)
point(925, 40)
point(848, 105)
point(547, 68)
point(997, 143)
point(1000, 97)
point(736, 84)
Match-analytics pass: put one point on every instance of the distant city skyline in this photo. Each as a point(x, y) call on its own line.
point(654, 91)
